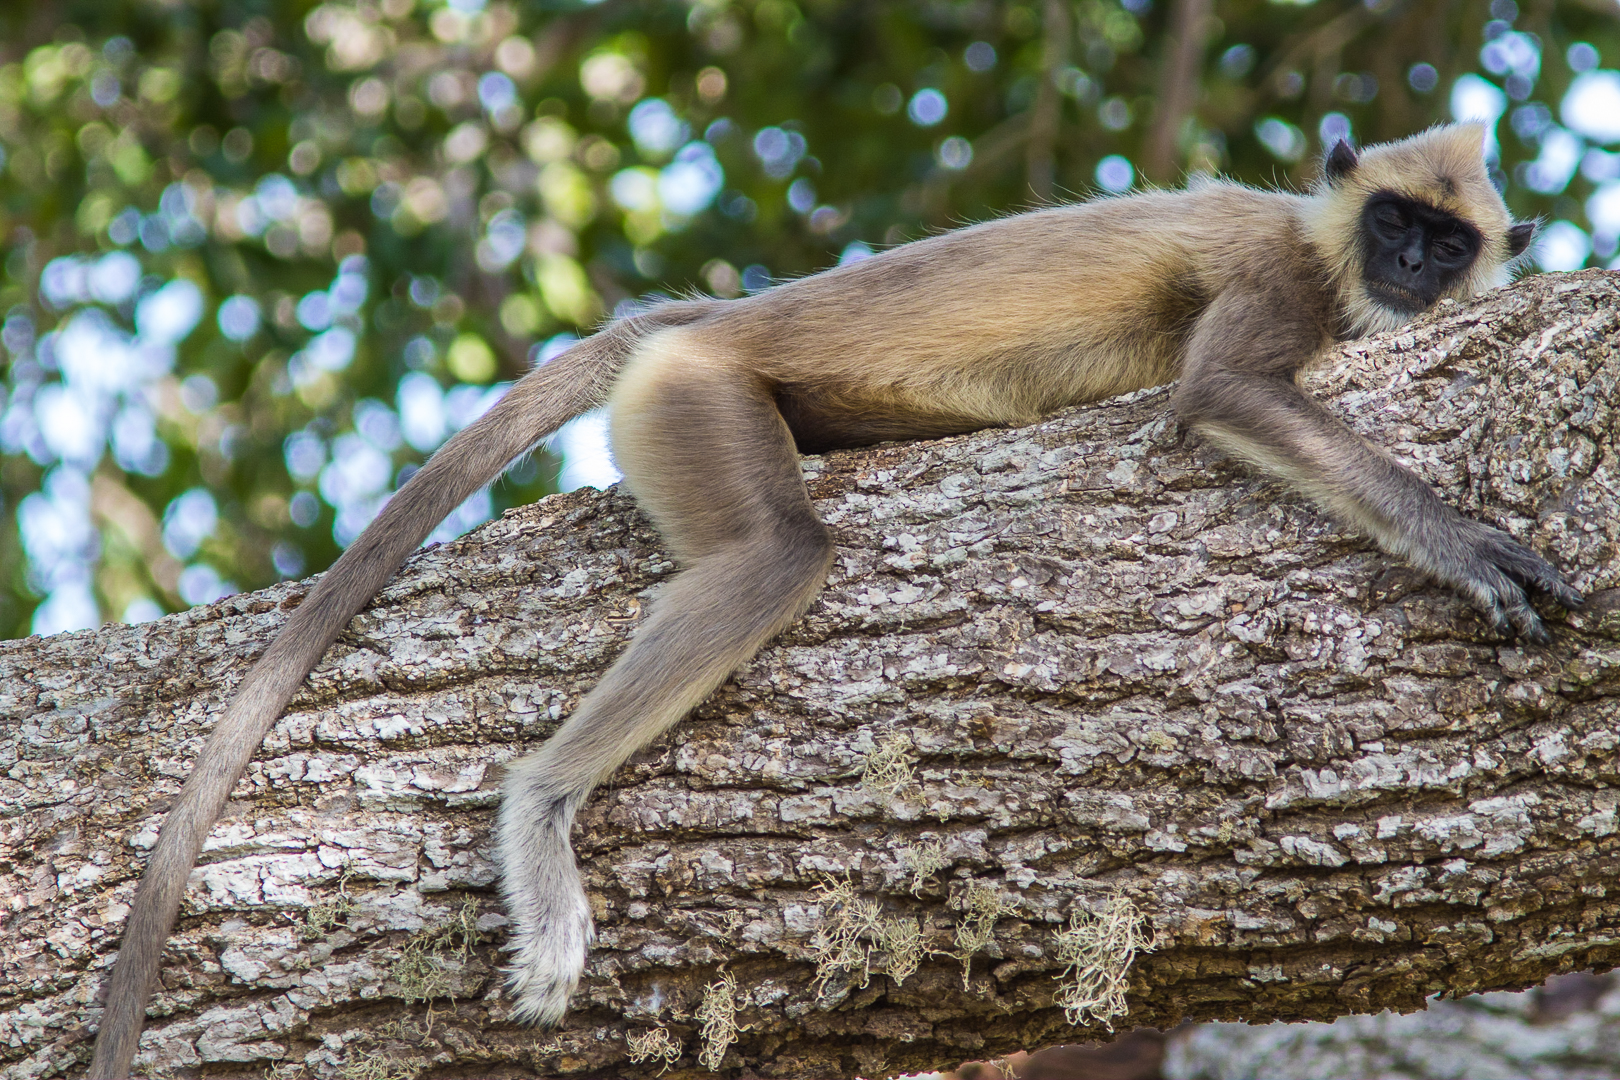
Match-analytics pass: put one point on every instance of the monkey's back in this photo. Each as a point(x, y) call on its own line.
point(1008, 320)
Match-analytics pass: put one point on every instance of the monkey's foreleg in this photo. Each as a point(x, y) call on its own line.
point(714, 465)
point(1276, 425)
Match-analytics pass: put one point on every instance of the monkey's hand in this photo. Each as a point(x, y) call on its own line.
point(1496, 573)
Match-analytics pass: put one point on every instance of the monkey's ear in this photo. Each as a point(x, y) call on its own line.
point(1341, 161)
point(1519, 237)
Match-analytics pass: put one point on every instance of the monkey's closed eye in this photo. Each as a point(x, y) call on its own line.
point(1390, 221)
point(1451, 248)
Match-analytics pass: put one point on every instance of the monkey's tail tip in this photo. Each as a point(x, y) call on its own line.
point(545, 970)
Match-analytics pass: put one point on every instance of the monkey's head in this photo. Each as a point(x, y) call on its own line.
point(1405, 224)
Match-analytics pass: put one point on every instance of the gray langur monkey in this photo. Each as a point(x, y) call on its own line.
point(1229, 288)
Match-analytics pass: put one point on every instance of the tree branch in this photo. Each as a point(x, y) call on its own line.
point(1074, 668)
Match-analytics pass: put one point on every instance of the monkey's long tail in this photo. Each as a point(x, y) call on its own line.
point(540, 403)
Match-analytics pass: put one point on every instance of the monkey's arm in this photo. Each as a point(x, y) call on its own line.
point(1237, 387)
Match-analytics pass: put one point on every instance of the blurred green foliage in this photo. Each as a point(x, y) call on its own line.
point(261, 255)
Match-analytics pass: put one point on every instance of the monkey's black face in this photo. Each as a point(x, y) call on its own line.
point(1412, 253)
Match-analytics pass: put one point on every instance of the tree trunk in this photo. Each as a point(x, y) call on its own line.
point(1059, 675)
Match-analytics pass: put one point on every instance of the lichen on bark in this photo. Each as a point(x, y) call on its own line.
point(1124, 668)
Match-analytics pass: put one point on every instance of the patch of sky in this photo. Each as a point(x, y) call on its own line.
point(1530, 121)
point(57, 535)
point(465, 403)
point(201, 584)
point(349, 288)
point(422, 419)
point(331, 350)
point(954, 153)
point(142, 609)
point(587, 459)
point(135, 443)
point(97, 400)
point(304, 509)
point(1603, 211)
point(114, 277)
point(496, 91)
point(547, 351)
point(779, 150)
point(68, 421)
point(164, 317)
point(634, 189)
point(478, 508)
point(304, 453)
point(1582, 56)
point(1115, 174)
point(656, 130)
point(69, 606)
point(1554, 167)
point(927, 107)
point(689, 184)
point(188, 520)
point(377, 424)
point(801, 195)
point(1563, 245)
point(125, 226)
point(239, 318)
point(505, 237)
point(1285, 141)
point(314, 311)
point(353, 484)
point(980, 56)
point(1477, 100)
point(1591, 106)
point(287, 559)
point(178, 209)
point(74, 279)
point(1237, 61)
point(274, 198)
point(1334, 128)
point(1599, 166)
point(1512, 54)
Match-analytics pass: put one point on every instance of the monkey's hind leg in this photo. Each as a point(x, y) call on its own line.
point(710, 459)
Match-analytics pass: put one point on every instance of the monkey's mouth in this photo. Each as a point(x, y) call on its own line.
point(1393, 296)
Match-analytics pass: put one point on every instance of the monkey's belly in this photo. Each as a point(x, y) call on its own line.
point(819, 424)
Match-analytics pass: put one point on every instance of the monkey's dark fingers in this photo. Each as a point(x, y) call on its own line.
point(1527, 569)
point(1502, 601)
point(1531, 569)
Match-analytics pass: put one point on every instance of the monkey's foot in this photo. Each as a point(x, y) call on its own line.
point(548, 958)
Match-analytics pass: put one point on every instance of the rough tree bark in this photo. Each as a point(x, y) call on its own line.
point(1055, 670)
